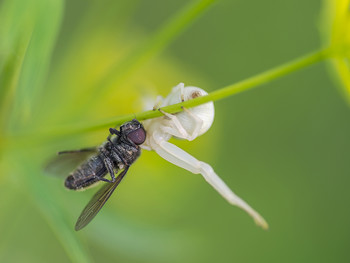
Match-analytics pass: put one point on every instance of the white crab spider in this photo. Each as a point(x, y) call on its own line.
point(188, 125)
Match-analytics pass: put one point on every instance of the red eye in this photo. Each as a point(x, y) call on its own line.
point(138, 136)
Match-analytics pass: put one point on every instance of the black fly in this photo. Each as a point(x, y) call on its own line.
point(116, 154)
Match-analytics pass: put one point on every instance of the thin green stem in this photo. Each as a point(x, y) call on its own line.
point(225, 92)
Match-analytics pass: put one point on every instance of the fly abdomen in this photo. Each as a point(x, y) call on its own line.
point(86, 174)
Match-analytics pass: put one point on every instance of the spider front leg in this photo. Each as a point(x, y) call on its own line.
point(181, 86)
point(159, 101)
point(184, 160)
point(177, 129)
point(198, 124)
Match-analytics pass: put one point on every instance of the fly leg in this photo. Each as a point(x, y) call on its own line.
point(116, 153)
point(109, 166)
point(184, 160)
point(118, 133)
point(111, 132)
point(114, 131)
point(91, 149)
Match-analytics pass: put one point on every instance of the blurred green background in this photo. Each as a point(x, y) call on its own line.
point(283, 147)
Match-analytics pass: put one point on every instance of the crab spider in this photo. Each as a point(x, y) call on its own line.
point(189, 124)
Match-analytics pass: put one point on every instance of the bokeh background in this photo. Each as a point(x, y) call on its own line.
point(283, 147)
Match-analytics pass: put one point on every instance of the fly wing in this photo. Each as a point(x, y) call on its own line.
point(67, 161)
point(98, 201)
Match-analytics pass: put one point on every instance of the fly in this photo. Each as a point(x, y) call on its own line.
point(113, 156)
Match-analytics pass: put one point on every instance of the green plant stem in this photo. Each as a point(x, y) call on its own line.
point(225, 92)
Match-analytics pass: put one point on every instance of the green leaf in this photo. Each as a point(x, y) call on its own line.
point(16, 25)
point(40, 26)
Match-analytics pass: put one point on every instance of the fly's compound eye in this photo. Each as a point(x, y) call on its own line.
point(138, 136)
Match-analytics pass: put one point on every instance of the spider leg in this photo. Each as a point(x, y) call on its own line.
point(197, 127)
point(186, 161)
point(158, 102)
point(182, 90)
point(180, 87)
point(176, 128)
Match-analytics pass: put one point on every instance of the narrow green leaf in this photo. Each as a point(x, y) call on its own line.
point(45, 17)
point(16, 25)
